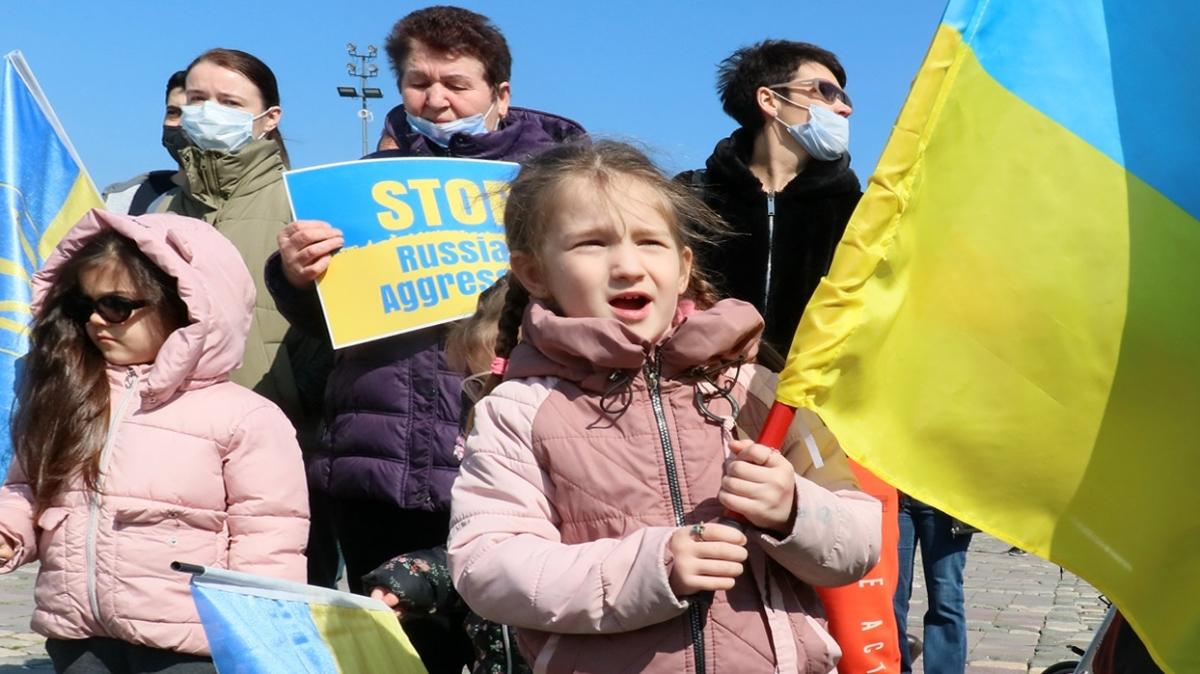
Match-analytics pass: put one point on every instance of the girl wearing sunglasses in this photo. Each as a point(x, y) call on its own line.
point(132, 448)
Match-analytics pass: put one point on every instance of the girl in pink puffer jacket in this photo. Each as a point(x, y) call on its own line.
point(588, 508)
point(133, 449)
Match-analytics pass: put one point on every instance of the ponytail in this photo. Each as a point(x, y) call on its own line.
point(509, 326)
point(701, 290)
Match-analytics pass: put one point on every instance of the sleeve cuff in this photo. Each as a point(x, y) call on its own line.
point(664, 575)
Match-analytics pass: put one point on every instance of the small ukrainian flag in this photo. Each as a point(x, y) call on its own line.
point(44, 191)
point(260, 625)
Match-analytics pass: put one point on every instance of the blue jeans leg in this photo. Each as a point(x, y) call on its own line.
point(907, 550)
point(943, 556)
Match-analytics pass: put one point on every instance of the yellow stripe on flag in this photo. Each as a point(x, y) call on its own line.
point(356, 640)
point(80, 200)
point(13, 326)
point(14, 269)
point(15, 307)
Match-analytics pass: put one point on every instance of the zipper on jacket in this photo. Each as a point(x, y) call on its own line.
point(653, 369)
point(131, 379)
point(770, 250)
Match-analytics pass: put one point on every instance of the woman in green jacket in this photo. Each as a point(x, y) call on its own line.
point(232, 159)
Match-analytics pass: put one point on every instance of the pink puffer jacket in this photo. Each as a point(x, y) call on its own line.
point(584, 462)
point(195, 468)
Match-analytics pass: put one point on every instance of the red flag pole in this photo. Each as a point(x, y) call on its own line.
point(779, 419)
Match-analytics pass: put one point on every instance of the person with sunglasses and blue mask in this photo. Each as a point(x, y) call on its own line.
point(782, 180)
point(232, 156)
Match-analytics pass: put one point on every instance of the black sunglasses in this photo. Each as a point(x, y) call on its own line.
point(828, 91)
point(113, 308)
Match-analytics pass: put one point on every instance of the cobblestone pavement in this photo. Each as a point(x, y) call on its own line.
point(1021, 613)
point(20, 649)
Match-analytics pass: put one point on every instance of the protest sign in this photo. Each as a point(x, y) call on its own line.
point(424, 236)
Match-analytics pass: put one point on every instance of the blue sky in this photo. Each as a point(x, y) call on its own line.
point(634, 70)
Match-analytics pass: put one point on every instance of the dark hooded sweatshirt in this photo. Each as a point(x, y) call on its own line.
point(781, 244)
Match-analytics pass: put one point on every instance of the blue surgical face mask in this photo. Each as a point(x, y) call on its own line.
point(826, 134)
point(212, 126)
point(441, 132)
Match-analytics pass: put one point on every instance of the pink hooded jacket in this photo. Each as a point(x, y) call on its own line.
point(589, 456)
point(195, 468)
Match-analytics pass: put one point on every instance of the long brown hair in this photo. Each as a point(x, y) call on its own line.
point(259, 74)
point(533, 198)
point(61, 417)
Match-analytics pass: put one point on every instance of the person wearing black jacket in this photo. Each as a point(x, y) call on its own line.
point(782, 180)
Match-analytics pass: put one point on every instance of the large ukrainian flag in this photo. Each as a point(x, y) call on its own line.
point(44, 190)
point(1011, 326)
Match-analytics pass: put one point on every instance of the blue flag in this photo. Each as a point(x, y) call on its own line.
point(44, 190)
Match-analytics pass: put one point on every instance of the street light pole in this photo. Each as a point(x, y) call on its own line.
point(363, 70)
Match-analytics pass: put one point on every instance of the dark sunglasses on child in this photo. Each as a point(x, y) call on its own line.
point(113, 308)
point(828, 91)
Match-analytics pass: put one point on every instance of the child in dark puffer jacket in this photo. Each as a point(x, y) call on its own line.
point(418, 583)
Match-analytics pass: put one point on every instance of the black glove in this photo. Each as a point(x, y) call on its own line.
point(421, 580)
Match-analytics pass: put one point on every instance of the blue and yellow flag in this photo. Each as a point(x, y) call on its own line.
point(1010, 329)
point(44, 190)
point(259, 625)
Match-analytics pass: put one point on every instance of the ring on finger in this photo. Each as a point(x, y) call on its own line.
point(698, 531)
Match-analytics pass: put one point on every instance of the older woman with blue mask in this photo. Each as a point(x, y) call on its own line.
point(393, 405)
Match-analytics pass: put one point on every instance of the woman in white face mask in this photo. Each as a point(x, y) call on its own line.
point(232, 157)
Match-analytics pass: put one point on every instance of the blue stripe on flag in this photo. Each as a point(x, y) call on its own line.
point(1153, 56)
point(1121, 62)
point(257, 635)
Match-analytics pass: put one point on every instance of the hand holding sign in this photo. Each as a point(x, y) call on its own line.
point(306, 248)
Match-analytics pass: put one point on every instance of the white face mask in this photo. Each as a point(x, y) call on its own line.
point(441, 132)
point(213, 126)
point(826, 134)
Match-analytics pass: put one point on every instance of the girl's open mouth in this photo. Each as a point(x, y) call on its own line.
point(629, 302)
point(630, 306)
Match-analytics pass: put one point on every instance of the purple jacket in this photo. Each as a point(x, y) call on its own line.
point(392, 406)
point(523, 132)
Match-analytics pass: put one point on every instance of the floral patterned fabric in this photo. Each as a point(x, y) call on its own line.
point(421, 580)
point(495, 647)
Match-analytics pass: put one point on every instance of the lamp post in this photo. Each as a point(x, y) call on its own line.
point(363, 71)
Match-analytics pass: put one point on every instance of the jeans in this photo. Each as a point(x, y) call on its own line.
point(943, 556)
